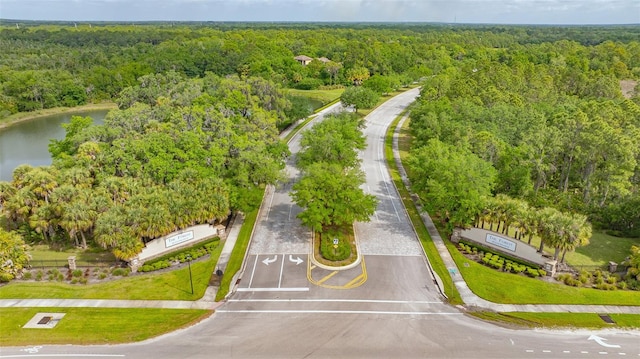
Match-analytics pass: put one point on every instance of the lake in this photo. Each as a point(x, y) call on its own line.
point(28, 142)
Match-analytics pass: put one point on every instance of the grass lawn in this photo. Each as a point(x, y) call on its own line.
point(42, 252)
point(171, 285)
point(562, 320)
point(323, 96)
point(237, 255)
point(500, 287)
point(84, 326)
point(602, 248)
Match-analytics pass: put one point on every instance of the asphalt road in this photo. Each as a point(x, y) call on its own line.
point(386, 307)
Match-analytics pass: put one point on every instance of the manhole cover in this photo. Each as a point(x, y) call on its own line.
point(606, 318)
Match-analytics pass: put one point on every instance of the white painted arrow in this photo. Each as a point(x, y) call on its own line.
point(601, 341)
point(266, 261)
point(296, 261)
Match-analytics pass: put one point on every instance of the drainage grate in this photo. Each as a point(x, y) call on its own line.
point(44, 320)
point(606, 318)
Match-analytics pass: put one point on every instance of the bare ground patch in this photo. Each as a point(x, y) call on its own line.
point(628, 87)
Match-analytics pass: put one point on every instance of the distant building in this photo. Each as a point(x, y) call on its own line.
point(303, 59)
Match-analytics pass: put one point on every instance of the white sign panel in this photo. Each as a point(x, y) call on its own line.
point(178, 238)
point(501, 242)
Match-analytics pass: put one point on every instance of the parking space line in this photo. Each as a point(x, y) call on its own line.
point(281, 268)
point(255, 263)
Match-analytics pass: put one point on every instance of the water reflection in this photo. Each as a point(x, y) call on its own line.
point(27, 142)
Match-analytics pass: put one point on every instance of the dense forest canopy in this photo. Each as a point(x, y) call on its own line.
point(62, 65)
point(532, 113)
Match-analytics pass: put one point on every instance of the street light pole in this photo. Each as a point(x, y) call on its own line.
point(190, 277)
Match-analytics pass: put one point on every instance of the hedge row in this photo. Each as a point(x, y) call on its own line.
point(194, 252)
point(500, 263)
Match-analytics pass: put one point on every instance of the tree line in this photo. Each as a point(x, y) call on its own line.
point(51, 65)
point(177, 152)
point(543, 123)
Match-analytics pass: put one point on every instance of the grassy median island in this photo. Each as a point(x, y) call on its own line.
point(335, 247)
point(84, 326)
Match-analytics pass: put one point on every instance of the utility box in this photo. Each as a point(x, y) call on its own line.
point(613, 267)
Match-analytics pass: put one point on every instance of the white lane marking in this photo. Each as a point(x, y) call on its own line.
point(622, 353)
point(546, 351)
point(62, 355)
point(584, 352)
point(292, 289)
point(273, 194)
point(566, 351)
point(529, 351)
point(255, 264)
point(281, 268)
point(331, 312)
point(386, 186)
point(603, 353)
point(336, 300)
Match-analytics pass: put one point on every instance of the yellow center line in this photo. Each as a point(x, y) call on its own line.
point(327, 277)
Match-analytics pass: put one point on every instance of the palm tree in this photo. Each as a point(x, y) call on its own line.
point(547, 227)
point(577, 235)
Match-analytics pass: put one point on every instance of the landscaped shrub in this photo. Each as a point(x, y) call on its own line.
point(542, 272)
point(27, 275)
point(196, 251)
point(77, 273)
point(39, 275)
point(5, 277)
point(328, 251)
point(532, 272)
point(584, 277)
point(308, 84)
point(120, 272)
point(622, 285)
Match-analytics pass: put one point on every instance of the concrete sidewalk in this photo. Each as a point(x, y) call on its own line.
point(470, 299)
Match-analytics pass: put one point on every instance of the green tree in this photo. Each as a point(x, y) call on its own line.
point(357, 75)
point(334, 140)
point(331, 196)
point(452, 183)
point(13, 255)
point(359, 97)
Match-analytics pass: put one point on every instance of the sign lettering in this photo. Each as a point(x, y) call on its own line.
point(501, 242)
point(178, 238)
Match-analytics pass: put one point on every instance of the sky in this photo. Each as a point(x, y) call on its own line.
point(570, 12)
